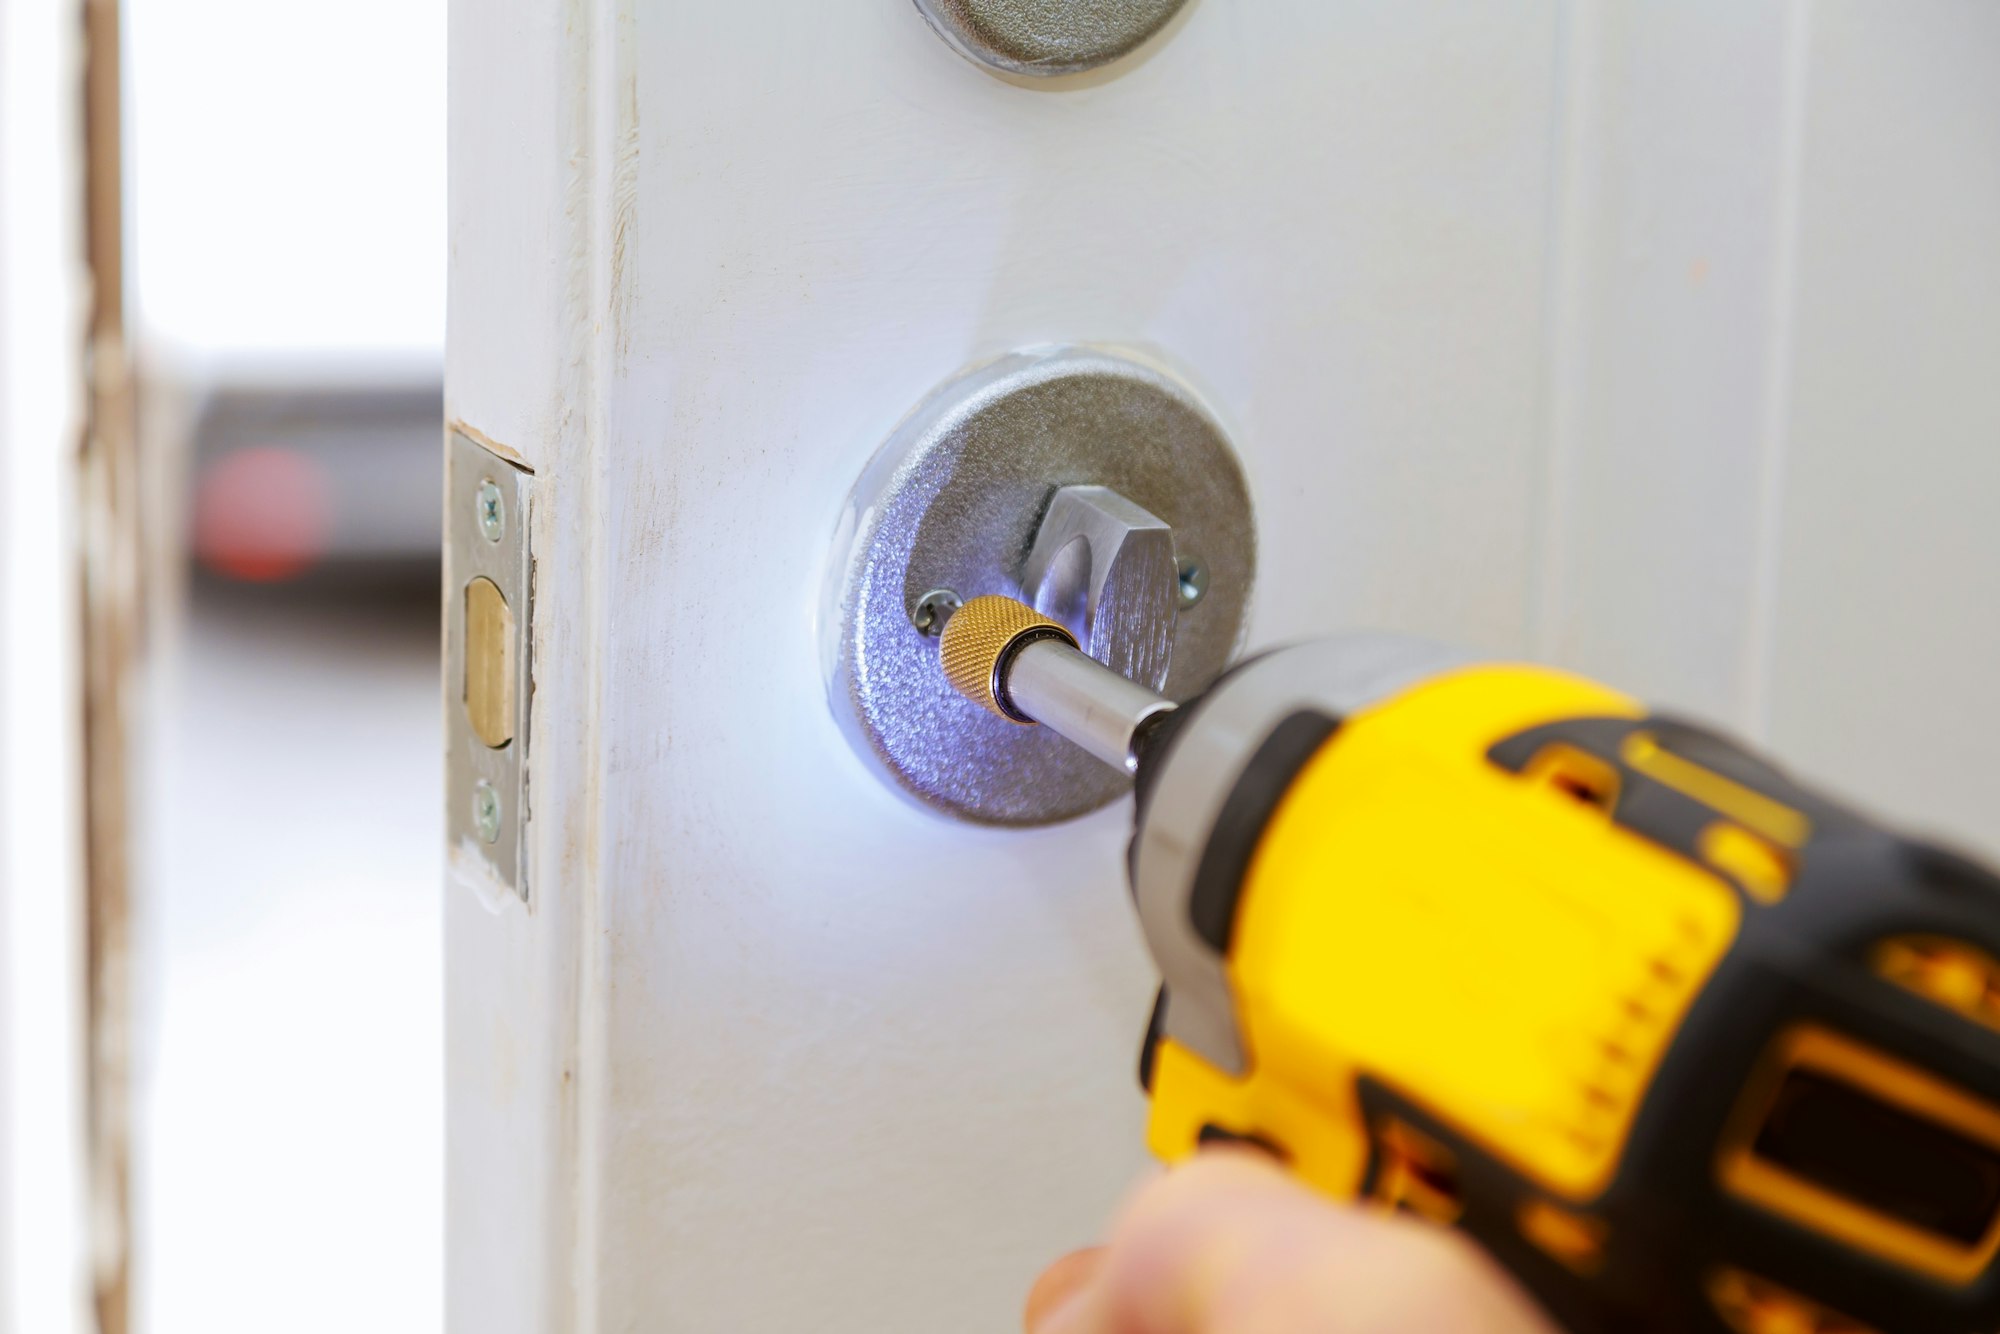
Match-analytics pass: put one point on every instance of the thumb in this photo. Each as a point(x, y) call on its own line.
point(1229, 1244)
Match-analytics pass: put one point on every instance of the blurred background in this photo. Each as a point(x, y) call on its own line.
point(284, 206)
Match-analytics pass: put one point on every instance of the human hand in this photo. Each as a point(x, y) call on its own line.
point(1228, 1244)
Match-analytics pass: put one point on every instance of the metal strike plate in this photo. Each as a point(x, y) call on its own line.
point(956, 501)
point(489, 593)
point(1043, 38)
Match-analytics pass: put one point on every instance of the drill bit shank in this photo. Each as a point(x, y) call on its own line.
point(1008, 659)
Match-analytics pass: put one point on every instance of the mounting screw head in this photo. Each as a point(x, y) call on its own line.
point(492, 509)
point(486, 811)
point(933, 609)
point(1193, 581)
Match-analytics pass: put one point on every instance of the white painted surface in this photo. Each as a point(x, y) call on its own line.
point(525, 198)
point(1508, 309)
point(1672, 249)
point(44, 1283)
point(1885, 613)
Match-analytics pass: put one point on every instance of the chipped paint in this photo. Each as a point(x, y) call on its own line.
point(507, 452)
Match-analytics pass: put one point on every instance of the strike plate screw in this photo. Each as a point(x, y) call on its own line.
point(492, 513)
point(1194, 581)
point(486, 811)
point(933, 609)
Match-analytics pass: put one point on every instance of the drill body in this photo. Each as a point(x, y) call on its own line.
point(1684, 1045)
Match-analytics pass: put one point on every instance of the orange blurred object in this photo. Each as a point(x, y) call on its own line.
point(262, 515)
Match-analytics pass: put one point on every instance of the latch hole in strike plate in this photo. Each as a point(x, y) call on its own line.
point(490, 687)
point(489, 591)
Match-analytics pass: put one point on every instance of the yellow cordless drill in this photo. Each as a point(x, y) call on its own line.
point(1682, 1044)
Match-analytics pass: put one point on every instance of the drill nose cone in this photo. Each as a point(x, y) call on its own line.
point(977, 641)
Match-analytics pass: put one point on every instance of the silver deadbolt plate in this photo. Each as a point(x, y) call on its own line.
point(1040, 38)
point(954, 500)
point(489, 622)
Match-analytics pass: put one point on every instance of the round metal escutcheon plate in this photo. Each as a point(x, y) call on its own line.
point(1044, 38)
point(952, 501)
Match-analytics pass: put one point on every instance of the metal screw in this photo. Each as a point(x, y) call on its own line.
point(486, 811)
point(1194, 581)
point(492, 512)
point(933, 609)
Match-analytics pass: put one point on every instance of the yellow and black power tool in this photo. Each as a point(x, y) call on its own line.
point(1684, 1045)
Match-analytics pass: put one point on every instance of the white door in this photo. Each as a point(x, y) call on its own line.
point(1655, 340)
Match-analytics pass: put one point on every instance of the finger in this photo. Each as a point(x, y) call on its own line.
point(1231, 1245)
point(1059, 1283)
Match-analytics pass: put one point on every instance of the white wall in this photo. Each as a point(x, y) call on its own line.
point(1776, 428)
point(1884, 615)
point(44, 1283)
point(1521, 316)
